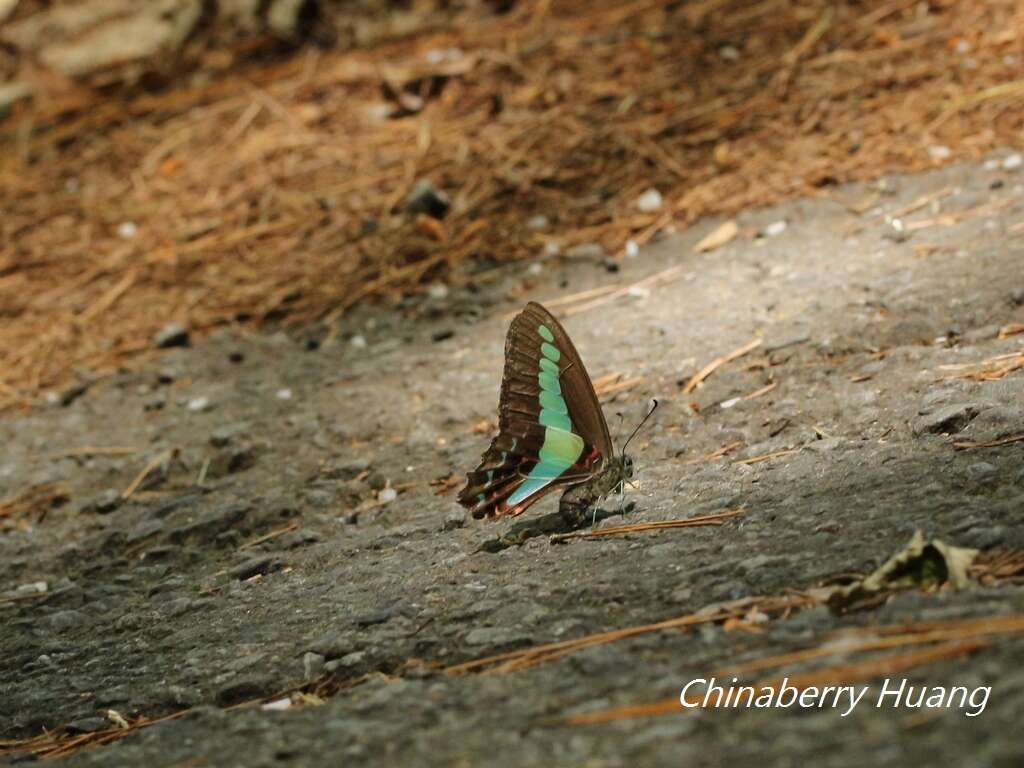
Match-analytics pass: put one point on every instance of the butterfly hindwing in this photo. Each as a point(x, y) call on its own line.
point(551, 428)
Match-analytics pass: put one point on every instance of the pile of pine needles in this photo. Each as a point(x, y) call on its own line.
point(276, 192)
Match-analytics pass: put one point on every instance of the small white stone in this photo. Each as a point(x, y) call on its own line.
point(378, 113)
point(126, 230)
point(358, 341)
point(991, 164)
point(438, 291)
point(726, 404)
point(776, 228)
point(650, 201)
point(1013, 162)
point(32, 587)
point(551, 248)
point(639, 291)
point(729, 53)
point(277, 705)
point(632, 249)
point(535, 269)
point(283, 394)
point(538, 223)
point(71, 185)
point(939, 152)
point(963, 46)
point(387, 495)
point(197, 404)
point(441, 55)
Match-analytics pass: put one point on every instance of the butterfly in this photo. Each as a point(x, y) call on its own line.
point(552, 433)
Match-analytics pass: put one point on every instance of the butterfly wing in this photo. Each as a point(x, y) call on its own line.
point(551, 428)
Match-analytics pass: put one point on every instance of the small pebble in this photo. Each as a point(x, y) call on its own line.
point(895, 231)
point(171, 335)
point(438, 291)
point(277, 705)
point(729, 53)
point(358, 341)
point(1013, 162)
point(775, 228)
point(456, 518)
point(535, 269)
point(650, 201)
point(428, 199)
point(127, 230)
point(283, 394)
point(632, 249)
point(939, 152)
point(197, 404)
point(387, 495)
point(551, 249)
point(538, 223)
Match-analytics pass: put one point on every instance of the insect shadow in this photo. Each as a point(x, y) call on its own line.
point(547, 525)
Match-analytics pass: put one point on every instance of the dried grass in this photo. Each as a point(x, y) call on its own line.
point(274, 193)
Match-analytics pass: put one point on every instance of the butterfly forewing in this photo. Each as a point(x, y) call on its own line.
point(551, 428)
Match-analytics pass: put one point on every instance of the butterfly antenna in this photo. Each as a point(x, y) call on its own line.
point(638, 426)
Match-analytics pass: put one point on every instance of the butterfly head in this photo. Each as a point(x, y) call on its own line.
point(627, 467)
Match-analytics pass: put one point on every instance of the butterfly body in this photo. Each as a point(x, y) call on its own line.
point(580, 498)
point(552, 432)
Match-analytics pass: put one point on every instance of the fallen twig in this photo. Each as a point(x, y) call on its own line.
point(725, 449)
point(716, 519)
point(658, 278)
point(521, 659)
point(272, 535)
point(767, 456)
point(967, 444)
point(146, 471)
point(717, 363)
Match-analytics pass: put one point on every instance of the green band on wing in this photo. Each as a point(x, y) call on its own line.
point(549, 401)
point(549, 382)
point(550, 352)
point(549, 366)
point(553, 419)
point(560, 451)
point(545, 333)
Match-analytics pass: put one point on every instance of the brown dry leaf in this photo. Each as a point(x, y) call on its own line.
point(719, 237)
point(918, 564)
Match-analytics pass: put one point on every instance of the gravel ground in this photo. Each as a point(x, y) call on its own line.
point(169, 600)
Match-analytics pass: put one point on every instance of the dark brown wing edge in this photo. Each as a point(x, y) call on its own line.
point(584, 407)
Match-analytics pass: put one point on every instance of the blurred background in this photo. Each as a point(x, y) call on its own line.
point(189, 164)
